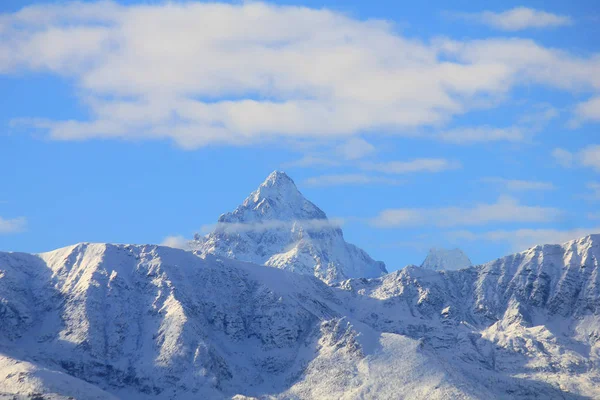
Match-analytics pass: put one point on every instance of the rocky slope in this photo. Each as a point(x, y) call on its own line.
point(276, 226)
point(93, 321)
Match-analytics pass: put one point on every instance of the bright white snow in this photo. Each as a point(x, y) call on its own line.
point(156, 322)
point(278, 227)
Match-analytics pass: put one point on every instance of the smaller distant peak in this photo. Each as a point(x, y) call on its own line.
point(444, 259)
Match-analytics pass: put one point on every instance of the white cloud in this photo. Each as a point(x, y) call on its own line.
point(506, 209)
point(469, 135)
point(354, 149)
point(178, 242)
point(528, 62)
point(350, 179)
point(14, 225)
point(257, 227)
point(520, 185)
point(206, 73)
point(590, 157)
point(431, 165)
point(587, 157)
point(311, 160)
point(587, 111)
point(527, 126)
point(539, 117)
point(517, 19)
point(523, 239)
point(563, 157)
point(336, 155)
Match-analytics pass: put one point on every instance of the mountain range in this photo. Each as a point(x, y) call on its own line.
point(272, 305)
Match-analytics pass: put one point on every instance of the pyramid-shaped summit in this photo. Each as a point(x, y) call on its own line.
point(277, 198)
point(278, 227)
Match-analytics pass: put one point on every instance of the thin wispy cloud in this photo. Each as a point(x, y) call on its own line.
point(310, 160)
point(350, 179)
point(522, 239)
point(588, 157)
point(334, 154)
point(516, 19)
point(276, 72)
point(594, 216)
point(505, 210)
point(428, 165)
point(594, 191)
point(258, 227)
point(12, 225)
point(563, 157)
point(519, 185)
point(355, 149)
point(177, 242)
point(470, 135)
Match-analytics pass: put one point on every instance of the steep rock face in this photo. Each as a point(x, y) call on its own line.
point(276, 226)
point(562, 279)
point(448, 260)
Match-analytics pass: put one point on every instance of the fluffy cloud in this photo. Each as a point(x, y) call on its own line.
point(178, 242)
point(587, 111)
point(522, 239)
point(205, 73)
point(13, 225)
point(528, 62)
point(517, 19)
point(350, 179)
point(506, 209)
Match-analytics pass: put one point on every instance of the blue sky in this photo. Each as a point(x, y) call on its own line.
point(437, 124)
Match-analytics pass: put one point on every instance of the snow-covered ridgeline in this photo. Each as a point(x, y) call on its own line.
point(156, 322)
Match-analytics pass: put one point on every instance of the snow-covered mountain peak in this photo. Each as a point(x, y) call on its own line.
point(278, 227)
point(277, 198)
point(444, 259)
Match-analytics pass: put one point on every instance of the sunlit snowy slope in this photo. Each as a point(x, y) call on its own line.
point(156, 322)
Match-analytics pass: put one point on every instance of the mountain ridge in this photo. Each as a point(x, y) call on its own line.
point(147, 321)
